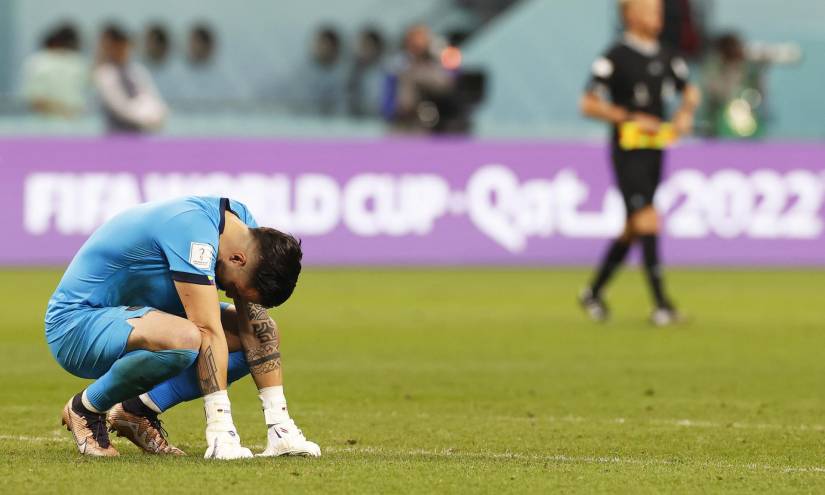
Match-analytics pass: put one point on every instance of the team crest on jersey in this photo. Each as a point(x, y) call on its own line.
point(201, 255)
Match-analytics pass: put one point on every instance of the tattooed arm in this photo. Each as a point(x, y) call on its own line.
point(201, 305)
point(261, 342)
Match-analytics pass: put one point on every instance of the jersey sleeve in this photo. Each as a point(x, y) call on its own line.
point(602, 74)
point(189, 243)
point(679, 72)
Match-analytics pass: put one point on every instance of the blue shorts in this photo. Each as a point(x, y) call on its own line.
point(87, 341)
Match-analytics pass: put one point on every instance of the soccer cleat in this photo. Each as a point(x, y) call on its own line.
point(285, 438)
point(88, 429)
point(143, 429)
point(593, 306)
point(666, 316)
point(225, 445)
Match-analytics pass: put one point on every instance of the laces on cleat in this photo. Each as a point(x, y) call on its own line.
point(95, 422)
point(156, 422)
point(99, 432)
point(137, 407)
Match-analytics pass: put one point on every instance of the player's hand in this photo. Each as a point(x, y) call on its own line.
point(225, 445)
point(646, 122)
point(285, 438)
point(683, 123)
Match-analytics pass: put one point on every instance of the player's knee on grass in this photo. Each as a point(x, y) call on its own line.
point(645, 221)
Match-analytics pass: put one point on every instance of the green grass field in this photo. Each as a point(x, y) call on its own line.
point(460, 381)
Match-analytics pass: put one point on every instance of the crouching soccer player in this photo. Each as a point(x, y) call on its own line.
point(138, 311)
point(628, 89)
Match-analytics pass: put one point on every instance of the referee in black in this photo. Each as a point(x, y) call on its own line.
point(628, 89)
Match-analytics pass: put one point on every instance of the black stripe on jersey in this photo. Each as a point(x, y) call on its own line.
point(192, 278)
point(222, 221)
point(225, 206)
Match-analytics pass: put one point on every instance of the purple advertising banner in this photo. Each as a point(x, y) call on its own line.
point(425, 202)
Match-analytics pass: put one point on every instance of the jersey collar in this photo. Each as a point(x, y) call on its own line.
point(649, 48)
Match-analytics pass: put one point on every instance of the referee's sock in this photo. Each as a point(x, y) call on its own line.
point(650, 255)
point(612, 260)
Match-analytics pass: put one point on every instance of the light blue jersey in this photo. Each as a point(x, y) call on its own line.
point(128, 267)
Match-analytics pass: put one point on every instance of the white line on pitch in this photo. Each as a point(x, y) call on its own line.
point(56, 436)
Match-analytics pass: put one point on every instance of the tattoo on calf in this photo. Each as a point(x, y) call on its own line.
point(207, 372)
point(263, 359)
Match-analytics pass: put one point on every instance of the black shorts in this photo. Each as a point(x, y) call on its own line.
point(638, 173)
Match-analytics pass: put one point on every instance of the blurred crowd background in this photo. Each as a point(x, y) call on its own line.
point(318, 68)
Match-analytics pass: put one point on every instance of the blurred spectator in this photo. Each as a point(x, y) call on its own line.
point(419, 87)
point(204, 82)
point(367, 79)
point(683, 27)
point(733, 81)
point(56, 77)
point(128, 96)
point(320, 86)
point(156, 44)
point(157, 48)
point(201, 49)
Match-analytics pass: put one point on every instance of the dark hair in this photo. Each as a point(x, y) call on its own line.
point(330, 35)
point(65, 36)
point(203, 33)
point(116, 33)
point(279, 265)
point(374, 36)
point(729, 45)
point(159, 32)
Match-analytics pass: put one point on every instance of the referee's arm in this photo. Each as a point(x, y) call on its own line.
point(594, 106)
point(683, 118)
point(594, 103)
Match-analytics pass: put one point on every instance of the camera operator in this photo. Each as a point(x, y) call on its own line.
point(416, 83)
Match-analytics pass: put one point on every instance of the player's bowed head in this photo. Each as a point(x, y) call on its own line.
point(259, 265)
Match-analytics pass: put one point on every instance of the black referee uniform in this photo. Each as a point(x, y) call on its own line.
point(641, 78)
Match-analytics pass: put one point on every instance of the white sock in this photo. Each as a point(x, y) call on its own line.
point(88, 405)
point(274, 404)
point(148, 402)
point(218, 411)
